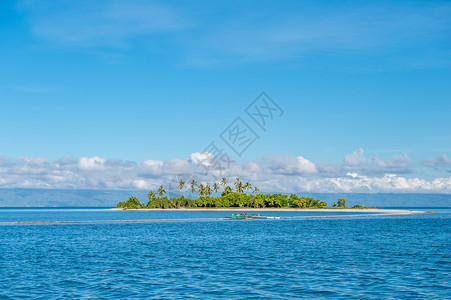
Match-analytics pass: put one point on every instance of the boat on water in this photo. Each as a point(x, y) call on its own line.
point(239, 216)
point(252, 216)
point(258, 216)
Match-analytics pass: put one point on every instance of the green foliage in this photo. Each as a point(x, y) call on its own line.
point(228, 198)
point(152, 199)
point(132, 202)
point(161, 191)
point(360, 206)
point(227, 190)
point(303, 202)
point(341, 202)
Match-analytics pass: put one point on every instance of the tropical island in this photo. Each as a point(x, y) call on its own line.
point(221, 195)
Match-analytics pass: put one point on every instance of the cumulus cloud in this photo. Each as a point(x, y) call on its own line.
point(26, 165)
point(439, 162)
point(356, 158)
point(355, 173)
point(389, 183)
point(356, 161)
point(93, 163)
point(289, 165)
point(203, 158)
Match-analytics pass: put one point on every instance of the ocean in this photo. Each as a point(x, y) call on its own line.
point(369, 257)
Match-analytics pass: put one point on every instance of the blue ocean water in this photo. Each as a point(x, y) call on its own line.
point(362, 257)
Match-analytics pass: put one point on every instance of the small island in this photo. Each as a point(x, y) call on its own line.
point(221, 195)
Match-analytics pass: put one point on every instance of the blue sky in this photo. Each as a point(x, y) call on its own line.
point(138, 81)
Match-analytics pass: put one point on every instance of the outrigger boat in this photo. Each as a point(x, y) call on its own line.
point(239, 216)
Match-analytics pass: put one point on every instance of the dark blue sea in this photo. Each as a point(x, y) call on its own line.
point(369, 257)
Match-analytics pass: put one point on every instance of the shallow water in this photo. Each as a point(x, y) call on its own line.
point(362, 257)
point(49, 215)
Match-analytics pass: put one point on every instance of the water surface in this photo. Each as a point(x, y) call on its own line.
point(362, 257)
point(66, 214)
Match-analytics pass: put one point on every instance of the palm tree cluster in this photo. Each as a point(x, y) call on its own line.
point(229, 197)
point(203, 189)
point(208, 189)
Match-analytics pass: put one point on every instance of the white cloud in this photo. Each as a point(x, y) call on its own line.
point(152, 163)
point(397, 161)
point(305, 166)
point(26, 165)
point(356, 158)
point(272, 173)
point(93, 163)
point(356, 161)
point(203, 158)
point(289, 164)
point(439, 162)
point(141, 184)
point(354, 183)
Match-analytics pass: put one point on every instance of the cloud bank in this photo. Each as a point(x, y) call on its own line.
point(356, 173)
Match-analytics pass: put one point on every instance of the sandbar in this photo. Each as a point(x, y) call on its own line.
point(382, 212)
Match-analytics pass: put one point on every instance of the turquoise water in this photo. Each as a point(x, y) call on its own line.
point(362, 257)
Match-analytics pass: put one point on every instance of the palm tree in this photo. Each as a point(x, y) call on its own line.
point(237, 182)
point(193, 185)
point(238, 186)
point(208, 189)
point(215, 187)
point(151, 195)
point(202, 190)
point(256, 190)
point(161, 191)
point(181, 186)
point(247, 186)
point(224, 181)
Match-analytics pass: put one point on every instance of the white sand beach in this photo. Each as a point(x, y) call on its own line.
point(239, 209)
